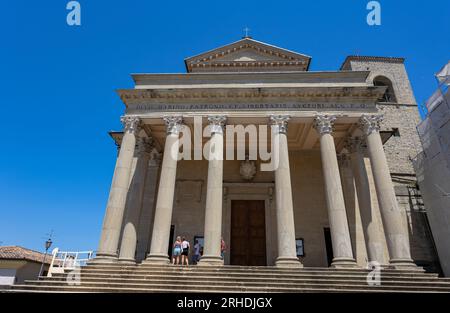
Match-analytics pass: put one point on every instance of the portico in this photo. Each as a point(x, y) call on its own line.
point(303, 121)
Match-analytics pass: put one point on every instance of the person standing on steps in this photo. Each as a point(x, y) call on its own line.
point(196, 256)
point(223, 248)
point(185, 251)
point(176, 251)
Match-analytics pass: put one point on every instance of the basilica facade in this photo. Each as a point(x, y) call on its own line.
point(291, 167)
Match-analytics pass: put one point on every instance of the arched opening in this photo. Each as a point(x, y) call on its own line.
point(389, 95)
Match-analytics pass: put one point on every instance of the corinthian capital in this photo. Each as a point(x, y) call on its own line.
point(131, 124)
point(280, 122)
point(217, 123)
point(174, 124)
point(324, 123)
point(370, 123)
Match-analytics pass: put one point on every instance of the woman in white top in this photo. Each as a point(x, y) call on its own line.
point(185, 248)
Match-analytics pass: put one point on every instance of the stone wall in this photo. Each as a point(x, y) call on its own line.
point(310, 211)
point(394, 70)
point(399, 150)
point(147, 215)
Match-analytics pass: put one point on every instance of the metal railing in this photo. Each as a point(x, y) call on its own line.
point(68, 260)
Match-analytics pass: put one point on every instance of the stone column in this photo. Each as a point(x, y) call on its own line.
point(287, 254)
point(148, 206)
point(112, 223)
point(166, 190)
point(340, 234)
point(134, 203)
point(394, 225)
point(371, 226)
point(214, 189)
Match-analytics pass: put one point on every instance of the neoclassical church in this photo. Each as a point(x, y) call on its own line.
point(341, 192)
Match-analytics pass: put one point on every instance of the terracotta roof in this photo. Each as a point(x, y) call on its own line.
point(20, 253)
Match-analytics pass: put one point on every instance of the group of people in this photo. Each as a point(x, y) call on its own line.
point(181, 247)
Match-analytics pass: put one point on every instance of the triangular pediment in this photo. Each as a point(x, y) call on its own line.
point(248, 55)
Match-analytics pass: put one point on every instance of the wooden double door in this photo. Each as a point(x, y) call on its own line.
point(248, 233)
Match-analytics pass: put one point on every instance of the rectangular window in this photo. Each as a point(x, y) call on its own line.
point(300, 247)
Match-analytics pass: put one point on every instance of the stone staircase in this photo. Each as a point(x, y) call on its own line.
point(154, 278)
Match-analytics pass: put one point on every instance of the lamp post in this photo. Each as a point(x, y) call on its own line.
point(48, 244)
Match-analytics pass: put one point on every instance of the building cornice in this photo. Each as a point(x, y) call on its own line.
point(367, 94)
point(157, 79)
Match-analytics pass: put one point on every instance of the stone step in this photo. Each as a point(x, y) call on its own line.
point(164, 278)
point(248, 268)
point(53, 289)
point(222, 288)
point(230, 272)
point(151, 275)
point(247, 282)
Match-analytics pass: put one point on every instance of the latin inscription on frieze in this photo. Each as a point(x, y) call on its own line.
point(245, 107)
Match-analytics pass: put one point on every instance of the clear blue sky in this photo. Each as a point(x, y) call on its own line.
point(58, 84)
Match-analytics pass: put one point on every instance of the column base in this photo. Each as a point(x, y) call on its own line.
point(344, 263)
point(375, 264)
point(405, 264)
point(104, 258)
point(210, 260)
point(127, 261)
point(288, 262)
point(162, 259)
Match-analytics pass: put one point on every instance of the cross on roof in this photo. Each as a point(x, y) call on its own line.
point(246, 30)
